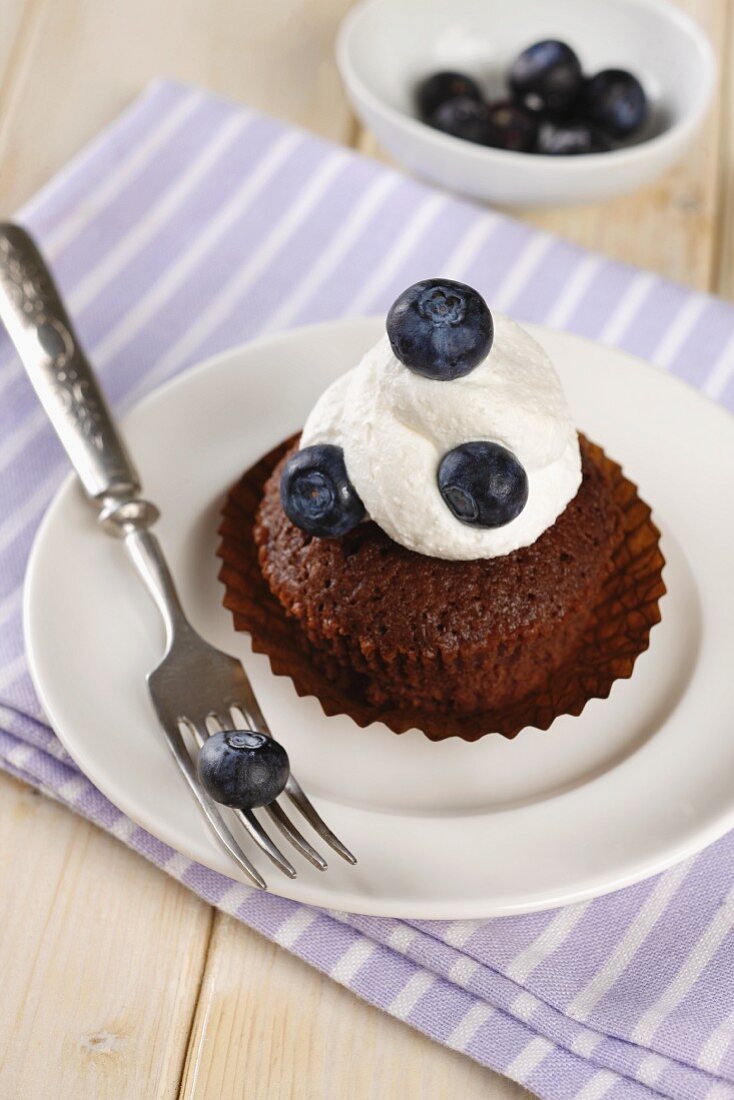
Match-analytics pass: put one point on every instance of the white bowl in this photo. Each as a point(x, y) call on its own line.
point(386, 46)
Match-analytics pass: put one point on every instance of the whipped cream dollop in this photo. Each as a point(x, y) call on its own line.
point(395, 426)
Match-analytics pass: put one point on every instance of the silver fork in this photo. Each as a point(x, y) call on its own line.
point(196, 689)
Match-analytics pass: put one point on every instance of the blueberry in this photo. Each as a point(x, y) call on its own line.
point(574, 138)
point(463, 118)
point(440, 329)
point(615, 101)
point(243, 769)
point(483, 484)
point(317, 494)
point(512, 127)
point(546, 77)
point(439, 88)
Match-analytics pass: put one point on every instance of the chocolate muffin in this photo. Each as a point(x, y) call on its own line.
point(441, 549)
point(443, 637)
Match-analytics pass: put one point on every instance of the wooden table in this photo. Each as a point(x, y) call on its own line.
point(116, 981)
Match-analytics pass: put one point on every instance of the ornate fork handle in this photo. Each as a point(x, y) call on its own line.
point(32, 311)
point(33, 314)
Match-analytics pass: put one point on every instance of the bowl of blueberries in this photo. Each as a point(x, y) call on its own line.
point(529, 102)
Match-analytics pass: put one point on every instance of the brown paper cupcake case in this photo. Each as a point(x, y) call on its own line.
point(617, 632)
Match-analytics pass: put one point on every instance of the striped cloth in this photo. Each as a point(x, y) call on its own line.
point(193, 225)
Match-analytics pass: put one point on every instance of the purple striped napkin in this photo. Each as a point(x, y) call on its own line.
point(193, 225)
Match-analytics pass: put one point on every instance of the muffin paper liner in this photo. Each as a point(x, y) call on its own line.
point(617, 632)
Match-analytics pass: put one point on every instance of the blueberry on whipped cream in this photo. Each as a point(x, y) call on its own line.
point(317, 494)
point(452, 434)
point(483, 484)
point(440, 328)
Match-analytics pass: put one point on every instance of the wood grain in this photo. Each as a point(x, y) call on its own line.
point(79, 64)
point(16, 18)
point(20, 23)
point(722, 230)
point(101, 958)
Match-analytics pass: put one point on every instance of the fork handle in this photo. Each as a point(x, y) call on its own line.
point(147, 557)
point(32, 311)
point(39, 326)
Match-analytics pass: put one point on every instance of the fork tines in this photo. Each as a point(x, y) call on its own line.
point(248, 819)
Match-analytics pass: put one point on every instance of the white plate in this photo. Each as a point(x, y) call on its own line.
point(446, 830)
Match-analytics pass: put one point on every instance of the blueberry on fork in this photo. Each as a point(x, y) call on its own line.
point(242, 769)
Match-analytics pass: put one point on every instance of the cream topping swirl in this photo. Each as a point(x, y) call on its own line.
point(395, 427)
